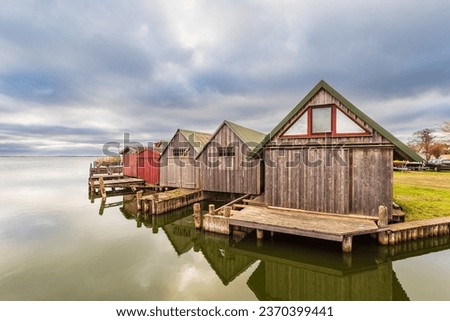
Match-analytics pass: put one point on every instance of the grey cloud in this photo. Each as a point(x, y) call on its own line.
point(249, 62)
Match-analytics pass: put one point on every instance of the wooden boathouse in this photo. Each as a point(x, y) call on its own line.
point(226, 162)
point(148, 166)
point(142, 163)
point(130, 160)
point(326, 155)
point(178, 167)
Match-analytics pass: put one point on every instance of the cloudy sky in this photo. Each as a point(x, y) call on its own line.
point(77, 74)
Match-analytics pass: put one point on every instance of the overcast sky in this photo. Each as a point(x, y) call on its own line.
point(77, 74)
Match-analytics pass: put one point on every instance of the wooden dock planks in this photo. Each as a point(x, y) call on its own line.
point(303, 224)
point(163, 202)
point(120, 182)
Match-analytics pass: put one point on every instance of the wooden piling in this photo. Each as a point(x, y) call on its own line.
point(145, 207)
point(211, 209)
point(139, 200)
point(414, 234)
point(347, 244)
point(420, 233)
point(392, 239)
point(102, 188)
point(383, 238)
point(259, 234)
point(91, 183)
point(435, 230)
point(198, 218)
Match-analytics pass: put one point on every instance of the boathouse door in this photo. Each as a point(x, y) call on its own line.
point(181, 172)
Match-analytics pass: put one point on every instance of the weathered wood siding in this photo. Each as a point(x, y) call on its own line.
point(347, 180)
point(229, 174)
point(329, 174)
point(179, 171)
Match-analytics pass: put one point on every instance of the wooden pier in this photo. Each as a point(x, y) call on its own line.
point(108, 170)
point(163, 202)
point(407, 231)
point(340, 228)
point(327, 226)
point(100, 181)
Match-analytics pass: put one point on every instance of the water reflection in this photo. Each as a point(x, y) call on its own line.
point(290, 268)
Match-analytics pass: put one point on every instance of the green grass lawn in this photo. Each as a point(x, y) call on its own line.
point(422, 195)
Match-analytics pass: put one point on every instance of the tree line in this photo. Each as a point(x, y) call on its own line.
point(431, 141)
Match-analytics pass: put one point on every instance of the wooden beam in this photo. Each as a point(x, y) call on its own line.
point(364, 217)
point(286, 230)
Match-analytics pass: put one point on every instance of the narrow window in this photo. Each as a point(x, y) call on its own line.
point(345, 125)
point(225, 151)
point(300, 127)
point(178, 152)
point(321, 120)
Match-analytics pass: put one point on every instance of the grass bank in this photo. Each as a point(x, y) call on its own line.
point(422, 195)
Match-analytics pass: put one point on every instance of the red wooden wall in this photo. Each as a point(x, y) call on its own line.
point(130, 164)
point(148, 166)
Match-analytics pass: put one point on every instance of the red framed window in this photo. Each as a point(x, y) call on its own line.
point(320, 121)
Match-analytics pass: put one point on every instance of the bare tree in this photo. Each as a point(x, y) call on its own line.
point(437, 149)
point(424, 139)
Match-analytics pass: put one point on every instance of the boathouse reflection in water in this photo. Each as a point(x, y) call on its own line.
point(290, 268)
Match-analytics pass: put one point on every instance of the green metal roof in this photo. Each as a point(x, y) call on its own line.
point(196, 139)
point(400, 147)
point(250, 137)
point(247, 135)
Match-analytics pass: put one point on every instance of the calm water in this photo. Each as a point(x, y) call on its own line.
point(55, 245)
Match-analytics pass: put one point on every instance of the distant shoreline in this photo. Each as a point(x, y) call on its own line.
point(3, 156)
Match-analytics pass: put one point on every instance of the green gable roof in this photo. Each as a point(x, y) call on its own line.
point(245, 134)
point(251, 138)
point(196, 139)
point(400, 147)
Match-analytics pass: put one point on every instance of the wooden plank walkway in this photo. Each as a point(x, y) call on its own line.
point(120, 182)
point(303, 223)
point(107, 176)
point(158, 203)
point(99, 185)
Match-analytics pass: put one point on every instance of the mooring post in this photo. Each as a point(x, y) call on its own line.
point(102, 188)
point(138, 200)
point(102, 207)
point(347, 244)
point(211, 209)
point(383, 238)
point(227, 211)
point(198, 218)
point(91, 183)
